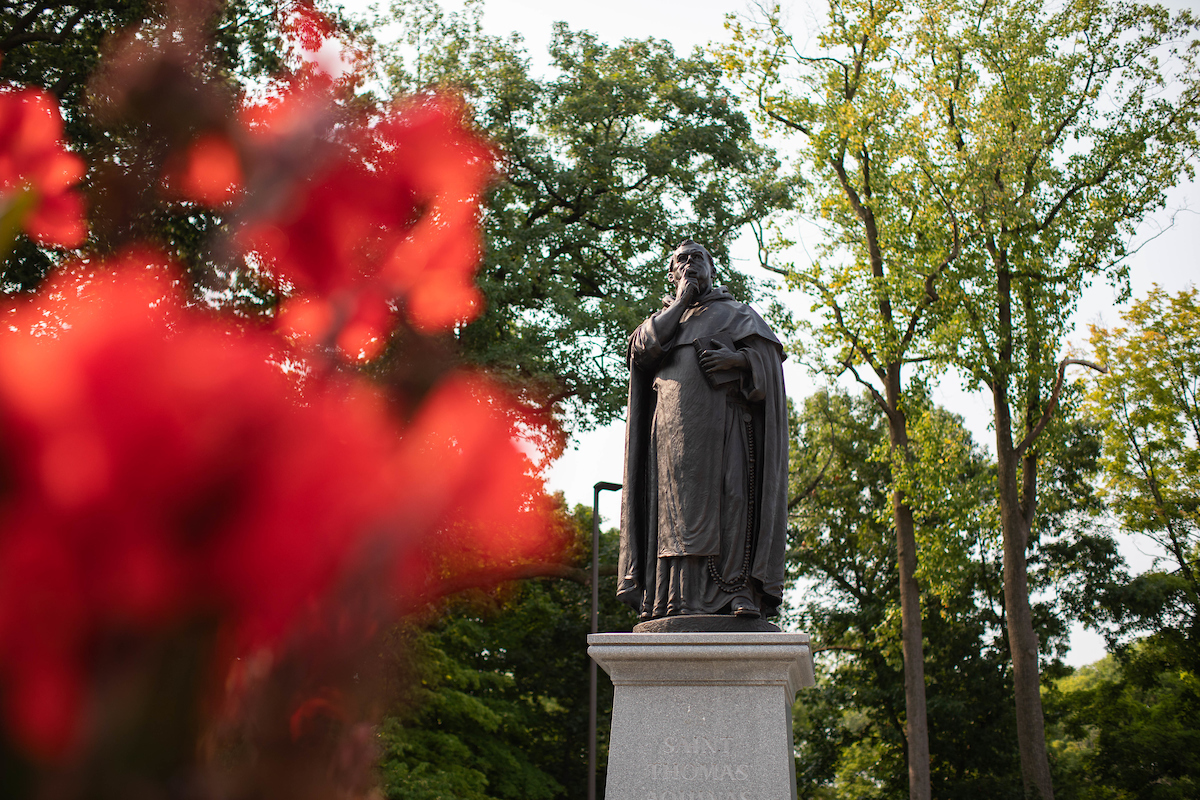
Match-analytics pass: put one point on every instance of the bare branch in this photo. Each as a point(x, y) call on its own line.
point(855, 345)
point(782, 119)
point(18, 39)
point(760, 238)
point(879, 399)
point(1050, 406)
point(25, 21)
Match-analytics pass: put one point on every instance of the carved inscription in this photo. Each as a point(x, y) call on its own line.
point(691, 759)
point(695, 745)
point(699, 772)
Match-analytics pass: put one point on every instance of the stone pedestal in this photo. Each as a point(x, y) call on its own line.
point(702, 716)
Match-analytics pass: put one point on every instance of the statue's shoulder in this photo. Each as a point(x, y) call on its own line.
point(742, 319)
point(722, 295)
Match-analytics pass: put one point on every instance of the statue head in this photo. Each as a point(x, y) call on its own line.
point(692, 258)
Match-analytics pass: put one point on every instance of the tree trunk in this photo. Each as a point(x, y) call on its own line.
point(1015, 522)
point(916, 725)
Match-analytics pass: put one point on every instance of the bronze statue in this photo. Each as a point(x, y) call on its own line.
point(703, 515)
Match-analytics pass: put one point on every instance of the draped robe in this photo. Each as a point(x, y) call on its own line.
point(705, 502)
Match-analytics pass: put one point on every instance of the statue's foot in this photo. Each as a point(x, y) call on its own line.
point(745, 609)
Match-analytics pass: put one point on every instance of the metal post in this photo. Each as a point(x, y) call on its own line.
point(599, 487)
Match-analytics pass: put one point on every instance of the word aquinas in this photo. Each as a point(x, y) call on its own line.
point(702, 795)
point(699, 772)
point(697, 744)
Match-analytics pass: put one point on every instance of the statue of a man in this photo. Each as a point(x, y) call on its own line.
point(703, 516)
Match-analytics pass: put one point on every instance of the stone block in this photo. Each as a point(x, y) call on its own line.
point(702, 716)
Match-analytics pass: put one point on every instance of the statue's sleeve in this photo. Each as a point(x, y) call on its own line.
point(645, 349)
point(764, 362)
point(645, 353)
point(764, 385)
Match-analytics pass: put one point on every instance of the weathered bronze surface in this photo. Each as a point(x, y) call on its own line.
point(703, 514)
point(706, 623)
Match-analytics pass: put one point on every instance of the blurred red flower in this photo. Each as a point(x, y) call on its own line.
point(170, 477)
point(33, 160)
point(211, 172)
point(391, 213)
point(161, 469)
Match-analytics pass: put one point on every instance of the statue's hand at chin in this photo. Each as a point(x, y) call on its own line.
point(687, 291)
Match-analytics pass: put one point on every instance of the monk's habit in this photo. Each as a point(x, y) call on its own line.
point(704, 511)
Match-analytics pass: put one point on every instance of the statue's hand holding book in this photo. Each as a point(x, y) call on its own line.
point(719, 359)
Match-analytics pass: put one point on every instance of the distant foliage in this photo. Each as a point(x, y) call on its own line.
point(849, 728)
point(496, 701)
point(612, 159)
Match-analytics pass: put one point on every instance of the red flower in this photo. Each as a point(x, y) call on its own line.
point(392, 206)
point(162, 475)
point(211, 171)
point(33, 159)
point(160, 469)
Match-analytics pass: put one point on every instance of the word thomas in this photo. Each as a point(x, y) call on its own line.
point(699, 772)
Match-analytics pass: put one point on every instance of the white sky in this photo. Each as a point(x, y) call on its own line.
point(1172, 260)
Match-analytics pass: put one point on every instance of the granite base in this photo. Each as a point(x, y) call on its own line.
point(702, 716)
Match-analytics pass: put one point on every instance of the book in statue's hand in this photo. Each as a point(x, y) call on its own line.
point(722, 377)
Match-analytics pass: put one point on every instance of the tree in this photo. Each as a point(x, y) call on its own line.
point(1128, 725)
point(892, 237)
point(59, 45)
point(849, 728)
point(1045, 137)
point(843, 557)
point(610, 162)
point(1127, 728)
point(1149, 405)
point(851, 732)
point(1015, 87)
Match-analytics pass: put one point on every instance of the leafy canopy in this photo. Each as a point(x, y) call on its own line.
point(1149, 406)
point(609, 162)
